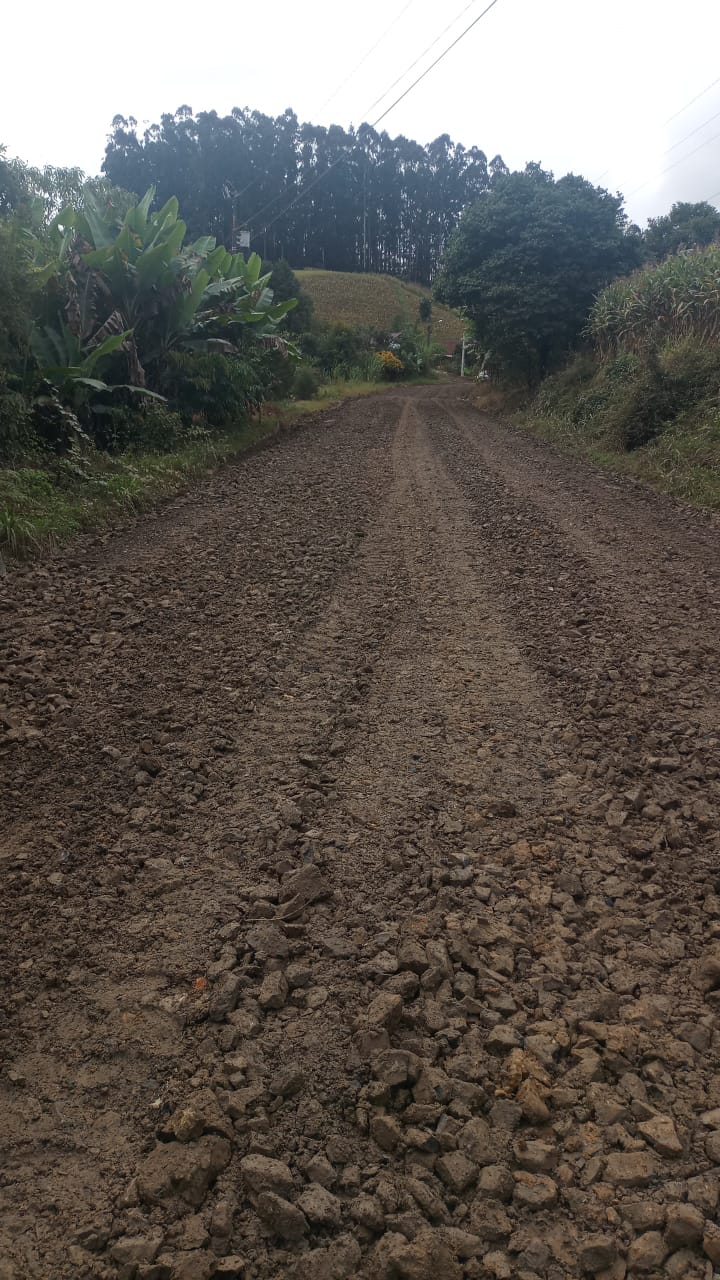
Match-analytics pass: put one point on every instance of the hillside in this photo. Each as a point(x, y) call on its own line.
point(383, 302)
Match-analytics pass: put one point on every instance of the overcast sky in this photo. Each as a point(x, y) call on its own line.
point(580, 85)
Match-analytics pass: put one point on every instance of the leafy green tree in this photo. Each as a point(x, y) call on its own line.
point(686, 226)
point(373, 202)
point(17, 295)
point(285, 285)
point(139, 279)
point(526, 262)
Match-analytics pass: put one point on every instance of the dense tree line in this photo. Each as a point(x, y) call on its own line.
point(372, 202)
point(526, 262)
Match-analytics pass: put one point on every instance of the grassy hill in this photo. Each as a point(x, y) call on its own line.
point(382, 302)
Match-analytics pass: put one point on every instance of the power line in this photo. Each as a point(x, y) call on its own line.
point(674, 165)
point(420, 56)
point(674, 116)
point(692, 133)
point(381, 117)
point(697, 97)
point(439, 58)
point(366, 57)
point(677, 144)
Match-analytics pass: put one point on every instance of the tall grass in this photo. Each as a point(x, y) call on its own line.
point(675, 299)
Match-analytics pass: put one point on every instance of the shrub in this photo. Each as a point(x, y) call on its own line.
point(220, 387)
point(277, 369)
point(391, 368)
point(17, 296)
point(674, 299)
point(161, 430)
point(16, 421)
point(306, 383)
point(663, 387)
point(336, 348)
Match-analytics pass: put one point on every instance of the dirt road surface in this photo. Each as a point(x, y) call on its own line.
point(361, 872)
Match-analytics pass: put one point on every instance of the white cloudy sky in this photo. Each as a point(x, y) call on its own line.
point(581, 85)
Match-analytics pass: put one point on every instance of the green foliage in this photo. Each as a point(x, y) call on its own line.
point(306, 383)
point(218, 389)
point(526, 262)
point(390, 366)
point(285, 286)
point(417, 352)
point(630, 400)
point(142, 280)
point(376, 302)
point(336, 349)
point(17, 296)
point(686, 226)
point(385, 204)
point(16, 421)
point(96, 308)
point(673, 299)
point(654, 415)
point(162, 430)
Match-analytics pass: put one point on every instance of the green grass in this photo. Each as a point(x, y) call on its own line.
point(379, 302)
point(42, 506)
point(659, 423)
point(683, 462)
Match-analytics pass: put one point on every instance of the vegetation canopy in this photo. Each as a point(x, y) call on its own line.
point(526, 262)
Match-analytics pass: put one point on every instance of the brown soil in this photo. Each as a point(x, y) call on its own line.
point(361, 872)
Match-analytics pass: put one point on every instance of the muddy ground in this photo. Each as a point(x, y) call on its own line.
point(361, 872)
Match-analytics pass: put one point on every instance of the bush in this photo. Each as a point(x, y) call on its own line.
point(17, 295)
point(391, 368)
point(221, 388)
point(284, 284)
point(336, 349)
point(675, 299)
point(160, 429)
point(16, 421)
point(277, 369)
point(306, 383)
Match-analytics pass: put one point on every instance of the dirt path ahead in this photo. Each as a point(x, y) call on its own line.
point(361, 873)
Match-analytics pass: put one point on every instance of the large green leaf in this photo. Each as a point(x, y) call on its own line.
point(106, 348)
point(170, 207)
point(253, 266)
point(203, 246)
point(102, 232)
point(145, 203)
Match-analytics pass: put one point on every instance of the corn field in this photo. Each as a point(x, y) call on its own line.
point(674, 299)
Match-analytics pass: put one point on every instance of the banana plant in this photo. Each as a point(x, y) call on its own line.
point(71, 369)
point(162, 293)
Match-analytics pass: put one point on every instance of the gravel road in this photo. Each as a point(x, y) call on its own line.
point(361, 872)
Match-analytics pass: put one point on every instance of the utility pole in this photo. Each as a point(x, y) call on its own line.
point(462, 357)
point(365, 215)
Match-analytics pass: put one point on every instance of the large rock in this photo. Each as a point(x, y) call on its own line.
point(534, 1191)
point(136, 1249)
point(261, 1173)
point(457, 1172)
point(281, 1217)
point(321, 1207)
point(630, 1168)
point(647, 1252)
point(661, 1133)
point(183, 1171)
point(427, 1257)
point(684, 1225)
point(598, 1253)
point(708, 970)
point(475, 1140)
